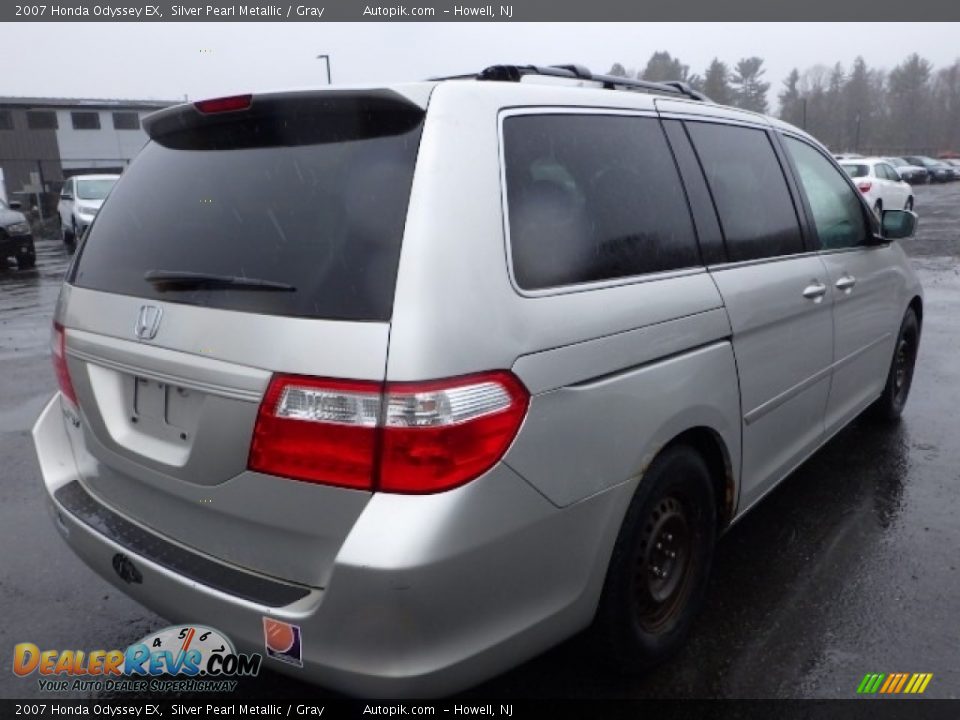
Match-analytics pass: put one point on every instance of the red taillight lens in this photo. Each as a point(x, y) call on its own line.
point(400, 437)
point(59, 354)
point(442, 434)
point(864, 187)
point(224, 104)
point(317, 430)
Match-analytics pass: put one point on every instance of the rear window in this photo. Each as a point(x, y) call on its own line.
point(856, 171)
point(309, 197)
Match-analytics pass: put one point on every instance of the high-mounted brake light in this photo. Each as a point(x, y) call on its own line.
point(864, 187)
point(224, 104)
point(398, 437)
point(59, 354)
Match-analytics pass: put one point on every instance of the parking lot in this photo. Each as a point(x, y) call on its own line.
point(849, 567)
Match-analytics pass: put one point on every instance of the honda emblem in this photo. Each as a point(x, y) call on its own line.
point(148, 322)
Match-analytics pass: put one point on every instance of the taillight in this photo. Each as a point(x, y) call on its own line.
point(59, 354)
point(442, 434)
point(864, 187)
point(224, 104)
point(317, 430)
point(398, 437)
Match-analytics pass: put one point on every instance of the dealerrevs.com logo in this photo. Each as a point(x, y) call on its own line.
point(197, 657)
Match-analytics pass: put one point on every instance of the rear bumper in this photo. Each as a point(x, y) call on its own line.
point(429, 594)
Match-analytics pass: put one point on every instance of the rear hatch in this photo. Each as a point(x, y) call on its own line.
point(250, 237)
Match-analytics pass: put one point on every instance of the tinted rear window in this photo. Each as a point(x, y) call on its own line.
point(593, 197)
point(311, 195)
point(856, 171)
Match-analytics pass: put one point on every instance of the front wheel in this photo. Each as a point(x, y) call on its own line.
point(65, 234)
point(889, 406)
point(658, 572)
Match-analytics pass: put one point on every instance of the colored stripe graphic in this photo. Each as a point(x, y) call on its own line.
point(894, 683)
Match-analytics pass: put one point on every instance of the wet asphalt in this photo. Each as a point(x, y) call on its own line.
point(852, 565)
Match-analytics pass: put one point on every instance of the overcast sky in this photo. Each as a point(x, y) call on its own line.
point(170, 60)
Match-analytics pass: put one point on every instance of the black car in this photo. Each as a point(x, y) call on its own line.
point(16, 239)
point(939, 170)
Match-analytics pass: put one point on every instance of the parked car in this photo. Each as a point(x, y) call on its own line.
point(880, 184)
point(433, 376)
point(16, 237)
point(939, 171)
point(80, 200)
point(847, 156)
point(954, 163)
point(913, 174)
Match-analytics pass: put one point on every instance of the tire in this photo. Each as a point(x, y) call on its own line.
point(26, 261)
point(67, 236)
point(889, 406)
point(643, 616)
point(909, 204)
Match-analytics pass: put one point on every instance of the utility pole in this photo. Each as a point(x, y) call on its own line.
point(856, 142)
point(327, 59)
point(804, 126)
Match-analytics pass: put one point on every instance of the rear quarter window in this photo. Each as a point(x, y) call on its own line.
point(592, 197)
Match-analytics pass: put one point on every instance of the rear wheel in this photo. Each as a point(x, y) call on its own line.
point(660, 564)
point(889, 406)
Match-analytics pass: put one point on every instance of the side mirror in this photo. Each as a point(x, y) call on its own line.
point(898, 224)
point(14, 205)
point(66, 197)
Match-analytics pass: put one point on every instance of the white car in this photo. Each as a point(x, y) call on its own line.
point(880, 184)
point(80, 199)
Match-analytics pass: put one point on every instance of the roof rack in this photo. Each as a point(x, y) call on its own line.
point(514, 73)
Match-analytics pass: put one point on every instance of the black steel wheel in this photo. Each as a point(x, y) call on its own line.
point(660, 563)
point(889, 406)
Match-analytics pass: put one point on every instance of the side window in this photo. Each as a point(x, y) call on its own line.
point(83, 120)
point(593, 197)
point(838, 213)
point(749, 190)
point(67, 188)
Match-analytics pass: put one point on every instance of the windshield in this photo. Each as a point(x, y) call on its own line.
point(94, 189)
point(311, 201)
point(856, 171)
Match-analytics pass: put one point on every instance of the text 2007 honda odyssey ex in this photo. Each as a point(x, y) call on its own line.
point(443, 373)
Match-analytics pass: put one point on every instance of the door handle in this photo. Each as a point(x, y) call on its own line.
point(846, 283)
point(815, 291)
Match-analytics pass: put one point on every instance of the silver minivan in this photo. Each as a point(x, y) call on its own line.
point(440, 374)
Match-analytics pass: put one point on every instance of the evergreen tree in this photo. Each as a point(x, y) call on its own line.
point(661, 66)
point(750, 92)
point(716, 83)
point(791, 104)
